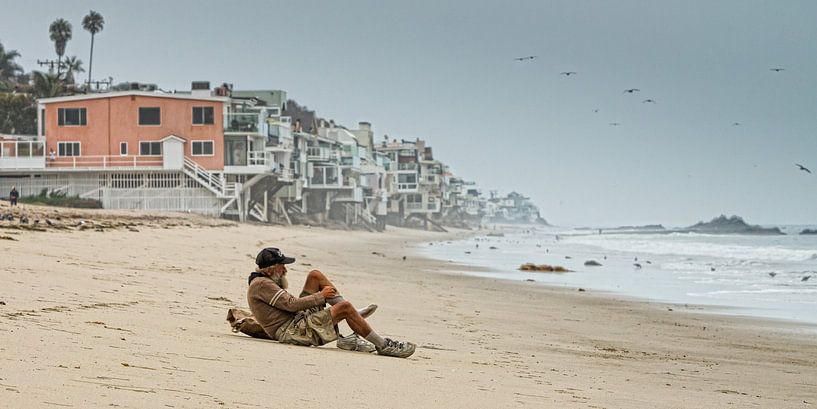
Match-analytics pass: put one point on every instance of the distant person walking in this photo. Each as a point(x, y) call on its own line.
point(14, 195)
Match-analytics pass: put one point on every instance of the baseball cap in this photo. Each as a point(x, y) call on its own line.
point(270, 256)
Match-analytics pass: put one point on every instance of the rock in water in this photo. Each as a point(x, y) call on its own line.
point(592, 263)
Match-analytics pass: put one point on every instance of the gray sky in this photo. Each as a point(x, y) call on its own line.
point(444, 72)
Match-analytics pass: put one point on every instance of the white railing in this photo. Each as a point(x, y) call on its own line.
point(256, 158)
point(22, 155)
point(284, 174)
point(320, 153)
point(104, 162)
point(205, 176)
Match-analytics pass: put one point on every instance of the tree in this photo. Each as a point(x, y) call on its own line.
point(9, 70)
point(60, 33)
point(46, 85)
point(93, 23)
point(72, 65)
point(18, 114)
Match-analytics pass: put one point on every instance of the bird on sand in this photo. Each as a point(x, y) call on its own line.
point(772, 274)
point(777, 69)
point(636, 265)
point(803, 168)
point(568, 73)
point(631, 91)
point(648, 101)
point(530, 57)
point(805, 278)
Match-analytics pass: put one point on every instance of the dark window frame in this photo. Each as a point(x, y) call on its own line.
point(204, 115)
point(201, 144)
point(123, 145)
point(150, 148)
point(69, 148)
point(81, 116)
point(142, 121)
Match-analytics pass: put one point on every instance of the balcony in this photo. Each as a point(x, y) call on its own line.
point(415, 207)
point(406, 166)
point(22, 155)
point(105, 162)
point(319, 153)
point(241, 122)
point(406, 187)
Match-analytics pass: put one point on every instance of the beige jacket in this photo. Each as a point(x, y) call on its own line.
point(273, 306)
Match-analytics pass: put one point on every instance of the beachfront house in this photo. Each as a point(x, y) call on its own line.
point(151, 150)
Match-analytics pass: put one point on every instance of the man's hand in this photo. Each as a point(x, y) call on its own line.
point(328, 292)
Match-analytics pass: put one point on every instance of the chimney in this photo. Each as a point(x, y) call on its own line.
point(364, 126)
point(200, 88)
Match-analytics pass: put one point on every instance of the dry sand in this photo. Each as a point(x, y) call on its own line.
point(134, 317)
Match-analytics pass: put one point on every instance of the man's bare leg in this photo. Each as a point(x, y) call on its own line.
point(345, 311)
point(316, 281)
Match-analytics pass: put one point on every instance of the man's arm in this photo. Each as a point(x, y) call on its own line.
point(285, 301)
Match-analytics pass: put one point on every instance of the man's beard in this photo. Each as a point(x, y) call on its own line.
point(280, 281)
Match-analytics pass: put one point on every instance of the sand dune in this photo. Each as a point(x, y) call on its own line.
point(134, 317)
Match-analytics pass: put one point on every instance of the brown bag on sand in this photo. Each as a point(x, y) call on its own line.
point(243, 321)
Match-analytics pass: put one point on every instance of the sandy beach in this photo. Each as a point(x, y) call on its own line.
point(131, 314)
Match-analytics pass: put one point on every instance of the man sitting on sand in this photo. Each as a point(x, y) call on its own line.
point(304, 320)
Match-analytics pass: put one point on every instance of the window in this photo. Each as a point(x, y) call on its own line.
point(68, 148)
point(72, 117)
point(123, 148)
point(406, 178)
point(150, 116)
point(203, 116)
point(150, 148)
point(202, 148)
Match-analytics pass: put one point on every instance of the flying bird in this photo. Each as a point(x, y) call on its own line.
point(772, 274)
point(648, 101)
point(631, 90)
point(777, 69)
point(596, 111)
point(735, 123)
point(803, 168)
point(530, 57)
point(568, 73)
point(614, 124)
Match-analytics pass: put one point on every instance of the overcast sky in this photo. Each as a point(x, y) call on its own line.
point(444, 72)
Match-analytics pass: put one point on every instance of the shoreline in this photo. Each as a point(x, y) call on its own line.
point(137, 319)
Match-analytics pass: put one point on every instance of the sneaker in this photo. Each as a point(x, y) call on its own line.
point(397, 349)
point(369, 310)
point(355, 343)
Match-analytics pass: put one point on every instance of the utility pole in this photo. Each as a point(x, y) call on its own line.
point(99, 83)
point(51, 64)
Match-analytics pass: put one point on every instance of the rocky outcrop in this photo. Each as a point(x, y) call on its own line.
point(809, 231)
point(730, 225)
point(592, 263)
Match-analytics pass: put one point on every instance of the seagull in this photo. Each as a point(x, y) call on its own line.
point(530, 57)
point(596, 111)
point(772, 274)
point(648, 101)
point(637, 265)
point(631, 90)
point(614, 124)
point(777, 69)
point(568, 73)
point(803, 168)
point(805, 278)
point(735, 123)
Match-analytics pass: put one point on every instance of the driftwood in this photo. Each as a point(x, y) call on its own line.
point(243, 321)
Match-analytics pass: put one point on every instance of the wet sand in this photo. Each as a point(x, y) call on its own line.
point(133, 316)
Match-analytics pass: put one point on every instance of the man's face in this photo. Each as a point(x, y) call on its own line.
point(279, 269)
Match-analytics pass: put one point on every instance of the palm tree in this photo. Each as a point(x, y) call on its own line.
point(93, 23)
point(46, 85)
point(72, 65)
point(60, 31)
point(9, 70)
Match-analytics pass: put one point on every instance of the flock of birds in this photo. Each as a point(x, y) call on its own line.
point(530, 58)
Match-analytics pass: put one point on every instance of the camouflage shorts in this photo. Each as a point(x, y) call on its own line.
point(308, 328)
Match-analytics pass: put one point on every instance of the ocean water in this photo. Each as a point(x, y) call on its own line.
point(763, 276)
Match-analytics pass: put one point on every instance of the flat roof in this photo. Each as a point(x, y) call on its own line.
point(115, 94)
